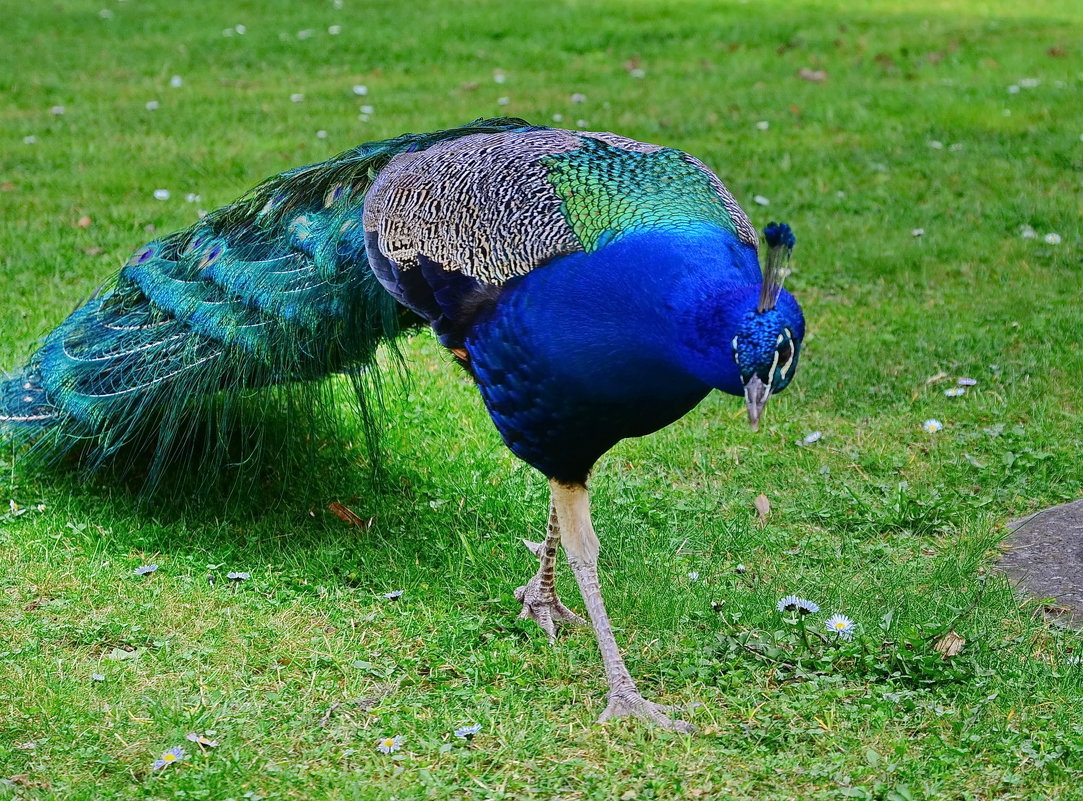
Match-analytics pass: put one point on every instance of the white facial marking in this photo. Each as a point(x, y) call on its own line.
point(789, 362)
point(771, 374)
point(786, 367)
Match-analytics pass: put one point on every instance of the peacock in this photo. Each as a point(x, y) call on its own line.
point(593, 287)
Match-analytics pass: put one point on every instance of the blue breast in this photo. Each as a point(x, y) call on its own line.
point(586, 350)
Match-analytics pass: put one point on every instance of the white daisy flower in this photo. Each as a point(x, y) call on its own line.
point(389, 744)
point(791, 603)
point(840, 625)
point(468, 732)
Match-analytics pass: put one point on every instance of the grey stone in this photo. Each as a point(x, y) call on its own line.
point(1045, 558)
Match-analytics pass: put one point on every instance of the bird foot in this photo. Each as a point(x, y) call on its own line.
point(546, 612)
point(624, 702)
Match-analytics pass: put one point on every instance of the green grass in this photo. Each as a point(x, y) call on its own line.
point(876, 518)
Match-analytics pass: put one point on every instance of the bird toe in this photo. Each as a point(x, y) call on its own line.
point(626, 704)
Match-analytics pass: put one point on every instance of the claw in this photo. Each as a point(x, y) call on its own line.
point(622, 704)
point(534, 547)
point(545, 612)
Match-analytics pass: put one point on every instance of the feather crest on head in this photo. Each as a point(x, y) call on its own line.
point(780, 242)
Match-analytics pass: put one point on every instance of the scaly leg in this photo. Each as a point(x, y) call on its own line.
point(571, 506)
point(538, 597)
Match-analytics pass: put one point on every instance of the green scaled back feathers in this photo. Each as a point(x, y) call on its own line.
point(267, 294)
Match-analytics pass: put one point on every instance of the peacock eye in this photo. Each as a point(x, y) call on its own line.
point(785, 352)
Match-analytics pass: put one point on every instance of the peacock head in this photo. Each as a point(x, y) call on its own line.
point(768, 341)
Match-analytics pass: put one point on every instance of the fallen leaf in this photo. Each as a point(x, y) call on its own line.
point(8, 186)
point(84, 222)
point(93, 251)
point(949, 645)
point(814, 76)
point(934, 378)
point(763, 506)
point(347, 515)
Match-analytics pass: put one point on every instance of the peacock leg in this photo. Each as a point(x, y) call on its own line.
point(571, 505)
point(538, 596)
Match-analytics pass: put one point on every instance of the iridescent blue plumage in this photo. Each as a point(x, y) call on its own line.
point(616, 343)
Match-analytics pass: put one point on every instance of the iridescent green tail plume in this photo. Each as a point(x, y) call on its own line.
point(268, 293)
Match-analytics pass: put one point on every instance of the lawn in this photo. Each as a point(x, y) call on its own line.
point(859, 124)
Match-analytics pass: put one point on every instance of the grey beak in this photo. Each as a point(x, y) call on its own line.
point(756, 395)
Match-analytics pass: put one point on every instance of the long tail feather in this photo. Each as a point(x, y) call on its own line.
point(269, 292)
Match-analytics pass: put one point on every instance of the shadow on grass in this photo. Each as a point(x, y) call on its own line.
point(274, 512)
